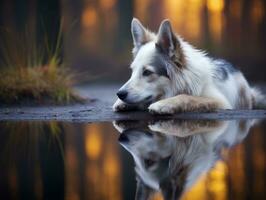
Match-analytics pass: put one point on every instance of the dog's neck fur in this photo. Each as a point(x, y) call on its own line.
point(195, 64)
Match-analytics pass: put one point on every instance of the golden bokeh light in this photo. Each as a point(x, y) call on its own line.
point(216, 26)
point(107, 4)
point(175, 11)
point(258, 160)
point(93, 141)
point(71, 167)
point(197, 191)
point(89, 17)
point(257, 11)
point(111, 167)
point(215, 21)
point(235, 8)
point(157, 196)
point(103, 163)
point(216, 181)
point(213, 183)
point(140, 9)
point(185, 17)
point(238, 178)
point(215, 5)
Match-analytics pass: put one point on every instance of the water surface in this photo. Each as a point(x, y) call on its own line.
point(174, 159)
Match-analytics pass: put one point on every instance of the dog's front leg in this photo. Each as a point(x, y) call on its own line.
point(184, 103)
point(120, 106)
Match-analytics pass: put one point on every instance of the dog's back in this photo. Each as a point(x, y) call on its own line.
point(235, 87)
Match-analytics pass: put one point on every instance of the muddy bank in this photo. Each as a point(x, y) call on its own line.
point(101, 110)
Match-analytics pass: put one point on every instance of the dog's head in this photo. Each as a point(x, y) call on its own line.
point(156, 58)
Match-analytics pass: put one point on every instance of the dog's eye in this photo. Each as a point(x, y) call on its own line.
point(148, 163)
point(147, 72)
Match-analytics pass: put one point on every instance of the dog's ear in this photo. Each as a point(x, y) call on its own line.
point(140, 35)
point(167, 42)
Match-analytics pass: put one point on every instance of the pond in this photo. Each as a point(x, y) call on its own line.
point(166, 159)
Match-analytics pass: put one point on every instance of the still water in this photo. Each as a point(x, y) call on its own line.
point(174, 159)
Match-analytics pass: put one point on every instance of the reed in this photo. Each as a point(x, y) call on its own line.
point(31, 72)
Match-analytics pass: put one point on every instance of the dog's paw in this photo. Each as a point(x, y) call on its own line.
point(207, 107)
point(119, 106)
point(162, 108)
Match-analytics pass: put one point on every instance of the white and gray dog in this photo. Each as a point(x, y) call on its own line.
point(169, 75)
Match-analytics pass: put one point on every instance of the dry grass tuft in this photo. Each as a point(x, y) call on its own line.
point(41, 85)
point(33, 74)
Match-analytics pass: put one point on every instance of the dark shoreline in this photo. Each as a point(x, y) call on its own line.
point(101, 110)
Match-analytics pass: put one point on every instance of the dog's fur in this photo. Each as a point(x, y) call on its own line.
point(171, 155)
point(169, 75)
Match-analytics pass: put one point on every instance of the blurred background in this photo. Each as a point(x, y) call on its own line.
point(97, 39)
point(70, 161)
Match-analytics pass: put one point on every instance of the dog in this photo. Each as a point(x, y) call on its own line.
point(171, 155)
point(169, 75)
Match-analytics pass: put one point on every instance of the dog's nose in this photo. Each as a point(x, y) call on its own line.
point(122, 94)
point(123, 138)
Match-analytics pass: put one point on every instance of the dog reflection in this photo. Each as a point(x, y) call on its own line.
point(171, 155)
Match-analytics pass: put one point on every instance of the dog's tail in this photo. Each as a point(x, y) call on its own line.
point(258, 99)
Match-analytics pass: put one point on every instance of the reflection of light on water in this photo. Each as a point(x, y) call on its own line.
point(93, 141)
point(38, 186)
point(216, 181)
point(237, 179)
point(212, 184)
point(103, 175)
point(111, 165)
point(156, 196)
point(93, 180)
point(71, 169)
point(111, 172)
point(258, 158)
point(13, 182)
point(198, 191)
point(93, 165)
